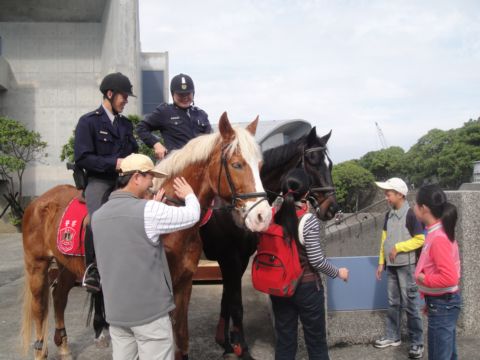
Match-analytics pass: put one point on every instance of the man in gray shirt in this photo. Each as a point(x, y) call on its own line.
point(131, 259)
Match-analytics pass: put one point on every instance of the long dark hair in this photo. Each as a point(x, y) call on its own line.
point(435, 199)
point(294, 185)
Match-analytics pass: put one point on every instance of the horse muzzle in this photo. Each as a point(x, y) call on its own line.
point(257, 215)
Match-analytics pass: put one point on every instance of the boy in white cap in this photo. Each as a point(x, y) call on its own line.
point(402, 235)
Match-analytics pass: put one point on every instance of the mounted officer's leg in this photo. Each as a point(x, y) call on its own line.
point(96, 194)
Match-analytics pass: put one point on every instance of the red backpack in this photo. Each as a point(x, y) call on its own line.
point(276, 268)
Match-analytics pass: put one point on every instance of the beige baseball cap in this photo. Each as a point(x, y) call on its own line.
point(139, 163)
point(395, 183)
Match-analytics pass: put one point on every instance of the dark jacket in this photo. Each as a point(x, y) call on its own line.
point(98, 144)
point(177, 126)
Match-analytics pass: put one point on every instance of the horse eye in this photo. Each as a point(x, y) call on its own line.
point(237, 165)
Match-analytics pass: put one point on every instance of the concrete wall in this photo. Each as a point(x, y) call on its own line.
point(361, 238)
point(56, 69)
point(55, 73)
point(121, 45)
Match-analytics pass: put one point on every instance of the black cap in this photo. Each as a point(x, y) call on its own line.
point(116, 82)
point(182, 84)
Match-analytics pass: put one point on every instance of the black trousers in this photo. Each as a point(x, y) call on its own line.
point(96, 194)
point(308, 304)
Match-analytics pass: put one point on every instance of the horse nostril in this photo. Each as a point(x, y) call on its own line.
point(260, 218)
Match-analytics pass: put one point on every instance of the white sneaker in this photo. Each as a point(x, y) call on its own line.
point(384, 342)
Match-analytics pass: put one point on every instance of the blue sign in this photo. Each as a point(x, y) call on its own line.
point(362, 291)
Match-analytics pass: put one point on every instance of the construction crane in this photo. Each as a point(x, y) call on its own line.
point(383, 141)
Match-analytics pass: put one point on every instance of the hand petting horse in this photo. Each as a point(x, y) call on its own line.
point(223, 164)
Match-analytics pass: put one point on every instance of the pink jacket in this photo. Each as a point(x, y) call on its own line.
point(440, 262)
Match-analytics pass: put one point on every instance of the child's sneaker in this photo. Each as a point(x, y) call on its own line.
point(384, 342)
point(416, 352)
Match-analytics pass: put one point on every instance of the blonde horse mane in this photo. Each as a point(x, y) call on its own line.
point(200, 149)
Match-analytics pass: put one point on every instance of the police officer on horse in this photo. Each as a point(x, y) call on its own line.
point(178, 122)
point(103, 138)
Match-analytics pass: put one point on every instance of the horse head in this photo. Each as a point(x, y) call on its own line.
point(235, 175)
point(318, 165)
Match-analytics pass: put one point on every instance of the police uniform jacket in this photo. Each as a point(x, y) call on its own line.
point(98, 143)
point(177, 126)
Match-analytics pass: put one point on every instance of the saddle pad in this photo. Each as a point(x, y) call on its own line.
point(70, 234)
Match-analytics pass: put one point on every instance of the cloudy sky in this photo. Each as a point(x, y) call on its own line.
point(341, 65)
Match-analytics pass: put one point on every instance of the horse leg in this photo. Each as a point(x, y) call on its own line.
point(220, 336)
point(180, 322)
point(36, 304)
point(64, 283)
point(239, 344)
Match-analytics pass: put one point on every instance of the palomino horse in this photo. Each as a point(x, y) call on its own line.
point(224, 164)
point(232, 246)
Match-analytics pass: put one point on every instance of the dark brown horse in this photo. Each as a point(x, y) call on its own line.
point(224, 164)
point(232, 246)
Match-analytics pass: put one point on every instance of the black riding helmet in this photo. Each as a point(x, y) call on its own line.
point(182, 84)
point(116, 82)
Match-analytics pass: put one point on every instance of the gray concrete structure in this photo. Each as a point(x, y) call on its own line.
point(54, 56)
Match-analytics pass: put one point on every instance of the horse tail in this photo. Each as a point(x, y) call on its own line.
point(97, 308)
point(27, 317)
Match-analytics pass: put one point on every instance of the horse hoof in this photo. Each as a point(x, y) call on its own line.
point(230, 356)
point(102, 342)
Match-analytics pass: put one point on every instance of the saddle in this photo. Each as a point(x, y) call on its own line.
point(71, 230)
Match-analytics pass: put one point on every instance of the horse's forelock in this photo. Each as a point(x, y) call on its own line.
point(246, 144)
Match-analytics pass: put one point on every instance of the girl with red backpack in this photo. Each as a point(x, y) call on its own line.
point(308, 300)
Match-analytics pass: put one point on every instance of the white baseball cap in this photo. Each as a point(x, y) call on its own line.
point(395, 183)
point(139, 163)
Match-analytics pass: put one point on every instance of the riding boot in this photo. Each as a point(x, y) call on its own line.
point(91, 278)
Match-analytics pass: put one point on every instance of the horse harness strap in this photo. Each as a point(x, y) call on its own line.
point(329, 190)
point(235, 195)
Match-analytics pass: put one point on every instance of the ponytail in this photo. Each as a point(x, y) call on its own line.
point(435, 199)
point(287, 217)
point(449, 220)
point(294, 186)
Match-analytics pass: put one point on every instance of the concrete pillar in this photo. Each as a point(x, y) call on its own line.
point(467, 234)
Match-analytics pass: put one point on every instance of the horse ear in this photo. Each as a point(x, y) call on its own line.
point(312, 136)
point(252, 127)
point(325, 138)
point(225, 128)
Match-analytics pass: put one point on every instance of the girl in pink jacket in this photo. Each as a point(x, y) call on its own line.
point(438, 271)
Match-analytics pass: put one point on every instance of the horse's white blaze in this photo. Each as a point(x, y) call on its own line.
point(258, 219)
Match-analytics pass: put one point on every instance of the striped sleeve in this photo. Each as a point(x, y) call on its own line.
point(163, 219)
point(315, 254)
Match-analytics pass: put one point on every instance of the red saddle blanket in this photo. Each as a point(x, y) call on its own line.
point(70, 231)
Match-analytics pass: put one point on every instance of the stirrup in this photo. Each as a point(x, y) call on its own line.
point(91, 288)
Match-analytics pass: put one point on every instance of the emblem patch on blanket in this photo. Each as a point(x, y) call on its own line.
point(70, 235)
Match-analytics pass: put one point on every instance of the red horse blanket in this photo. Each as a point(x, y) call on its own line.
point(70, 234)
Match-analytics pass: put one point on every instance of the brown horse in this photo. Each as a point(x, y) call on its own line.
point(224, 164)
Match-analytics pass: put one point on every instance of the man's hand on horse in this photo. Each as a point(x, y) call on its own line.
point(159, 196)
point(182, 188)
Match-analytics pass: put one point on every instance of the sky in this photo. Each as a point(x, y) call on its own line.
point(342, 65)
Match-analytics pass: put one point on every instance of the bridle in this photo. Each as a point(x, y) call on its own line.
point(327, 191)
point(235, 195)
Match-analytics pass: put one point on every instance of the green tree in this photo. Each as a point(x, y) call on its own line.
point(18, 148)
point(67, 149)
point(354, 185)
point(444, 157)
point(385, 163)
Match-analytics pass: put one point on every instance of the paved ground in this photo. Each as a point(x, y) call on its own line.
point(203, 316)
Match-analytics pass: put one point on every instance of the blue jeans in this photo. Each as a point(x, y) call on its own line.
point(443, 313)
point(308, 303)
point(403, 294)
